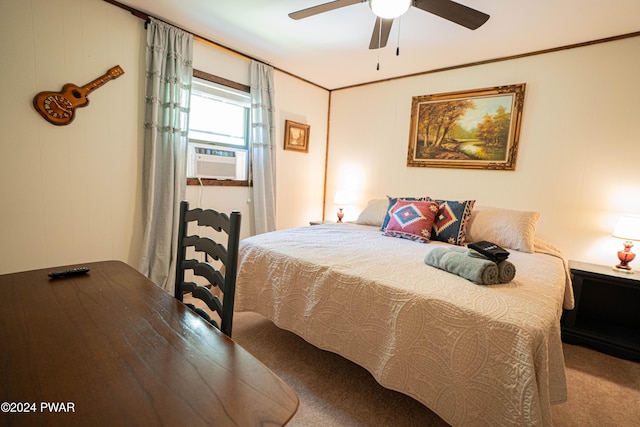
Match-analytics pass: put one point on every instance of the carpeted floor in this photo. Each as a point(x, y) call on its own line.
point(603, 390)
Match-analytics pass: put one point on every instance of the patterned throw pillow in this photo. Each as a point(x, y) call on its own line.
point(392, 202)
point(412, 220)
point(451, 221)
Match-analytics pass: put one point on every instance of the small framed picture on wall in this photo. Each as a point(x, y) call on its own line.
point(296, 136)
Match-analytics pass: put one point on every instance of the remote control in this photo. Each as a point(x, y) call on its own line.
point(66, 273)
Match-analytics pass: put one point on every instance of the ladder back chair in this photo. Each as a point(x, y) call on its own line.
point(221, 274)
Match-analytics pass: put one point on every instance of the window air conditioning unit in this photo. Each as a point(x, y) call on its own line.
point(207, 161)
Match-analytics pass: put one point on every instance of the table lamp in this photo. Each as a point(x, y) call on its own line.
point(628, 228)
point(343, 197)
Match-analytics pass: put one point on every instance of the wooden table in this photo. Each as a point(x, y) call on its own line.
point(112, 348)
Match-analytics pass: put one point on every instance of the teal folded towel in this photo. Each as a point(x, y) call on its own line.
point(506, 271)
point(478, 270)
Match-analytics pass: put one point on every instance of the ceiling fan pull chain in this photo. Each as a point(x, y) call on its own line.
point(379, 41)
point(398, 45)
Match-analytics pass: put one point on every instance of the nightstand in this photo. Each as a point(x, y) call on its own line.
point(322, 222)
point(607, 310)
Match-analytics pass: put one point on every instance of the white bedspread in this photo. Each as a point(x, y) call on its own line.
point(475, 355)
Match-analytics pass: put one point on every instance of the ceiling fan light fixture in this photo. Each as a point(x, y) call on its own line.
point(389, 9)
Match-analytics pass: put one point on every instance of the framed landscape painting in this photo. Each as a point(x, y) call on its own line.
point(474, 129)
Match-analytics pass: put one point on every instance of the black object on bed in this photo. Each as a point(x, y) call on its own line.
point(490, 250)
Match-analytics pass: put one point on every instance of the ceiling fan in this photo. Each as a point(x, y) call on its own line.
point(447, 9)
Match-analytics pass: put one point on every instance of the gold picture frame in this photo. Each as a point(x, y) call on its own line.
point(296, 136)
point(472, 129)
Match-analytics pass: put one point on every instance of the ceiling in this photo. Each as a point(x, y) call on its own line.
point(331, 49)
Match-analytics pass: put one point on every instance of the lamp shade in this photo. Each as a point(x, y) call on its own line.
point(389, 9)
point(628, 227)
point(343, 197)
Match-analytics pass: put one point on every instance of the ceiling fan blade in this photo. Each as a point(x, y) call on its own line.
point(326, 7)
point(454, 12)
point(379, 40)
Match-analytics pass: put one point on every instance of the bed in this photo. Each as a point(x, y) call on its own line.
point(475, 355)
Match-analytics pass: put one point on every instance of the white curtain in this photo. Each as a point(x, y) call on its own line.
point(263, 148)
point(167, 92)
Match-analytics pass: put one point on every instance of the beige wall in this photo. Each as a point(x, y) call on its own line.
point(72, 194)
point(69, 194)
point(579, 149)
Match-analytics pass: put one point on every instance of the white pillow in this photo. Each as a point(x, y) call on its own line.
point(507, 228)
point(374, 213)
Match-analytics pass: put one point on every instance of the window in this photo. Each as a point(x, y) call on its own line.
point(219, 129)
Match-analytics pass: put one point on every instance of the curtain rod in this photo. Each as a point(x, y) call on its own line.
point(144, 16)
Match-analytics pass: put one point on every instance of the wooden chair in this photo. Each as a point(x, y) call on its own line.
point(221, 274)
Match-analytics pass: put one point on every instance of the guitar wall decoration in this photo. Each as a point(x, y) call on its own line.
point(59, 108)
